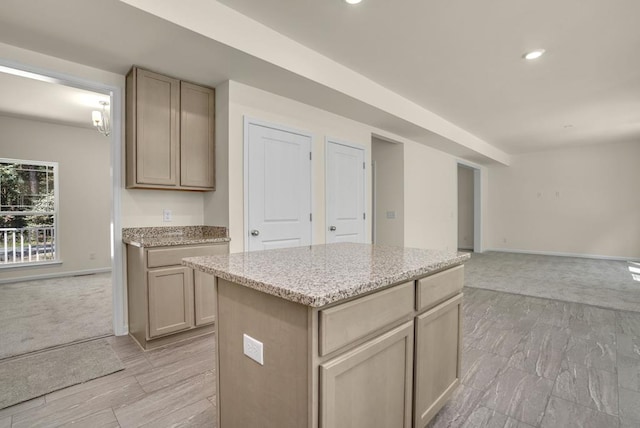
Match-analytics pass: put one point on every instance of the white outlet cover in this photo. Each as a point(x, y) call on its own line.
point(167, 215)
point(253, 349)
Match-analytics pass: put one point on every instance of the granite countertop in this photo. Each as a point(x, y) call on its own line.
point(174, 235)
point(322, 274)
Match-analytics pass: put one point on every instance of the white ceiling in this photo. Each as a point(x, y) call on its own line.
point(458, 59)
point(47, 101)
point(462, 60)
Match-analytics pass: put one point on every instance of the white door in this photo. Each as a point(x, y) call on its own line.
point(345, 193)
point(279, 188)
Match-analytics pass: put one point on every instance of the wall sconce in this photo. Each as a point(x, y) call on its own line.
point(100, 119)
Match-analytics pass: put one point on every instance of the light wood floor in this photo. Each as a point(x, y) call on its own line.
point(169, 387)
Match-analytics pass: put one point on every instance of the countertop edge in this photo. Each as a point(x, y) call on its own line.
point(167, 242)
point(320, 300)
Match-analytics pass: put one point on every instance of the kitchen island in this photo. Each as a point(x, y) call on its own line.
point(336, 335)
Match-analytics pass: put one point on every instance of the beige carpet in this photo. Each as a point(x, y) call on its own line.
point(604, 283)
point(31, 376)
point(36, 315)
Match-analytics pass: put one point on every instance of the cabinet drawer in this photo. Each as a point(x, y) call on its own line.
point(173, 256)
point(434, 289)
point(363, 316)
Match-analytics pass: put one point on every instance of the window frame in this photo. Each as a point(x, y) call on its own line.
point(56, 214)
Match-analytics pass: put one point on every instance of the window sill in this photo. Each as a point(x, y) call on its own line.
point(28, 265)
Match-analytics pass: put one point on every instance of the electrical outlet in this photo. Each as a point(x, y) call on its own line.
point(92, 256)
point(253, 349)
point(167, 215)
point(391, 215)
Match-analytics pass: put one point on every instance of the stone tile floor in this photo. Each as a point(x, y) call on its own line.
point(527, 362)
point(533, 362)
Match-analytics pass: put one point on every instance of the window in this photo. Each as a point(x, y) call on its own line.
point(28, 212)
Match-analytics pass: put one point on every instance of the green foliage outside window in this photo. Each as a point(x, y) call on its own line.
point(26, 195)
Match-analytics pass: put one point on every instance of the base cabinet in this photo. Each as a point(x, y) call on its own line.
point(170, 300)
point(437, 364)
point(371, 385)
point(386, 359)
point(167, 301)
point(205, 298)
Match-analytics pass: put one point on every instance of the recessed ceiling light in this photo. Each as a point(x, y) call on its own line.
point(352, 1)
point(534, 54)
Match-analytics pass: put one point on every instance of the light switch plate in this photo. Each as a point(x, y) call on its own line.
point(253, 349)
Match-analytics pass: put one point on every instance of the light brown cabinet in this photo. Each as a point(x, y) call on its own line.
point(170, 300)
point(387, 359)
point(170, 124)
point(167, 301)
point(370, 386)
point(206, 302)
point(438, 357)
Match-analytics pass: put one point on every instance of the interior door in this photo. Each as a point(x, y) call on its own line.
point(345, 193)
point(279, 188)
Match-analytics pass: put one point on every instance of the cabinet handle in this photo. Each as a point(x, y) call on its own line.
point(255, 232)
point(332, 228)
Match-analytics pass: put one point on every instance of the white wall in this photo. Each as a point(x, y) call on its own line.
point(254, 103)
point(139, 207)
point(429, 178)
point(389, 191)
point(216, 204)
point(465, 207)
point(429, 198)
point(582, 200)
point(143, 208)
point(84, 190)
point(429, 186)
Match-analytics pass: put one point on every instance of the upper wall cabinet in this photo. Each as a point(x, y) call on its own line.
point(170, 140)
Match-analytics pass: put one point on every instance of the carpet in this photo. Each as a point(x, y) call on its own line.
point(31, 376)
point(41, 314)
point(604, 283)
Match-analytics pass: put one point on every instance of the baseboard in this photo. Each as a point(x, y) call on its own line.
point(124, 332)
point(553, 253)
point(54, 275)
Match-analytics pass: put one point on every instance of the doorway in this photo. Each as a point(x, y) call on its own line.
point(278, 187)
point(388, 192)
point(465, 208)
point(469, 208)
point(113, 273)
point(345, 197)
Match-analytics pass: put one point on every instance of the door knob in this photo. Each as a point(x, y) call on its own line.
point(332, 228)
point(255, 232)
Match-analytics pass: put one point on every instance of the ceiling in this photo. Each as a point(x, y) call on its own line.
point(463, 60)
point(458, 59)
point(46, 101)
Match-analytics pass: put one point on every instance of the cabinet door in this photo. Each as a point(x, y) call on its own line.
point(170, 300)
point(438, 351)
point(204, 286)
point(157, 128)
point(370, 386)
point(197, 143)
